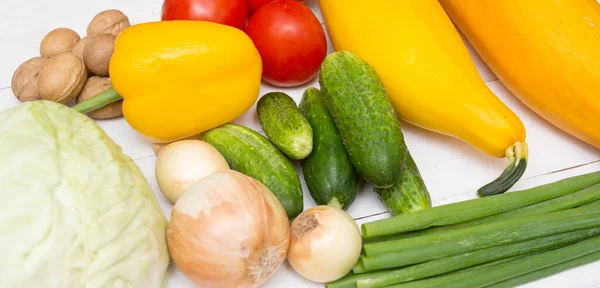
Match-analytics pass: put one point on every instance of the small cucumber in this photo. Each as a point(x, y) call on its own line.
point(409, 194)
point(364, 116)
point(254, 155)
point(328, 172)
point(284, 125)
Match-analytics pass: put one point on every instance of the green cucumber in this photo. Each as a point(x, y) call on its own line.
point(409, 194)
point(328, 172)
point(284, 125)
point(364, 116)
point(252, 154)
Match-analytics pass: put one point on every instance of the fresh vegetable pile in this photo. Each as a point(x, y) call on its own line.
point(341, 155)
point(497, 241)
point(86, 217)
point(454, 100)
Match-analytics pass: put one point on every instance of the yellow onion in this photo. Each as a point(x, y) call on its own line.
point(325, 244)
point(181, 164)
point(228, 230)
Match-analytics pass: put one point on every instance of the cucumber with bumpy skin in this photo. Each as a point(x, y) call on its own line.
point(364, 117)
point(409, 194)
point(284, 125)
point(328, 172)
point(254, 155)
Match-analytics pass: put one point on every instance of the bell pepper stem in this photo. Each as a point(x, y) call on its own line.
point(517, 163)
point(100, 100)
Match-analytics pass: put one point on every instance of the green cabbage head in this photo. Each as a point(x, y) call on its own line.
point(74, 210)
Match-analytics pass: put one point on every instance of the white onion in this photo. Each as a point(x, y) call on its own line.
point(228, 230)
point(181, 164)
point(325, 244)
point(157, 146)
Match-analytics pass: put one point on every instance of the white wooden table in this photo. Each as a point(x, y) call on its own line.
point(452, 169)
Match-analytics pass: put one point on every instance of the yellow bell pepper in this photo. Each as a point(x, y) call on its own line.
point(180, 78)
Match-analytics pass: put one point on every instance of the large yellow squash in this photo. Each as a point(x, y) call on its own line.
point(429, 75)
point(180, 78)
point(546, 52)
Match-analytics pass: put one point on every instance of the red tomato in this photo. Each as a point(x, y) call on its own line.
point(290, 40)
point(229, 12)
point(253, 5)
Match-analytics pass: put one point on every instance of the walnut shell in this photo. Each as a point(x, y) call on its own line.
point(109, 21)
point(24, 81)
point(78, 48)
point(62, 78)
point(94, 86)
point(58, 41)
point(97, 53)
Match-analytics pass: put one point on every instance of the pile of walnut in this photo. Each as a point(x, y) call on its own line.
point(71, 67)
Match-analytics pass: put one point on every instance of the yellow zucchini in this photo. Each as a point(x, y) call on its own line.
point(545, 52)
point(429, 75)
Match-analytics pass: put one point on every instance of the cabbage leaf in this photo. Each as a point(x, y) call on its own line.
point(74, 210)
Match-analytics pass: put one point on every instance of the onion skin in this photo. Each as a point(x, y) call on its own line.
point(157, 147)
point(181, 164)
point(228, 230)
point(325, 244)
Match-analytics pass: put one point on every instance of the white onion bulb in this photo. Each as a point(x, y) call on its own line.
point(325, 244)
point(181, 164)
point(228, 230)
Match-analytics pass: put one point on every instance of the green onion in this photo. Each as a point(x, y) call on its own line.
point(403, 252)
point(477, 208)
point(350, 281)
point(493, 263)
point(359, 268)
point(592, 204)
point(577, 199)
point(548, 271)
point(470, 259)
point(568, 201)
point(484, 277)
